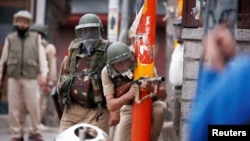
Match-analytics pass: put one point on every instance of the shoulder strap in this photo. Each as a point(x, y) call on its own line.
point(73, 49)
point(109, 71)
point(72, 60)
point(100, 57)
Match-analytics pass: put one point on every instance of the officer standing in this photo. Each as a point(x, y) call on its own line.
point(50, 50)
point(79, 86)
point(26, 68)
point(117, 72)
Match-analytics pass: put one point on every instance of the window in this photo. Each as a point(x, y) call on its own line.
point(189, 19)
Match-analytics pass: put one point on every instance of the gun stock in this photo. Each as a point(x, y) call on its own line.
point(55, 100)
point(119, 91)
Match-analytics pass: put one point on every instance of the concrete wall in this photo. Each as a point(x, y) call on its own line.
point(192, 53)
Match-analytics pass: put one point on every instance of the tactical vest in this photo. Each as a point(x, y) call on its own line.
point(23, 56)
point(86, 87)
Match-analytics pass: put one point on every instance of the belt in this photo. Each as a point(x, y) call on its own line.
point(89, 107)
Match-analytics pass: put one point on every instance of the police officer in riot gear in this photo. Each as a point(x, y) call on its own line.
point(88, 31)
point(79, 86)
point(118, 72)
point(120, 60)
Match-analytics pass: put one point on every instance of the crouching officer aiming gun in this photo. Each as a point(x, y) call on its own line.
point(119, 91)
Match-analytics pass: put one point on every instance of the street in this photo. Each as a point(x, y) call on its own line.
point(49, 134)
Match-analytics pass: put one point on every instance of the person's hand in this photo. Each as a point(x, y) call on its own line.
point(42, 81)
point(226, 41)
point(147, 86)
point(114, 118)
point(132, 91)
point(219, 47)
point(47, 90)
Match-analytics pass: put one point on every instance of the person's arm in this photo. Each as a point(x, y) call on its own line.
point(113, 103)
point(64, 70)
point(161, 91)
point(150, 87)
point(52, 65)
point(51, 56)
point(43, 63)
point(4, 58)
point(219, 47)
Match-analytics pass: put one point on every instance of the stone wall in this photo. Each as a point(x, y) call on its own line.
point(192, 54)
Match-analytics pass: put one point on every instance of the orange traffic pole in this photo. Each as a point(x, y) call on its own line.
point(144, 54)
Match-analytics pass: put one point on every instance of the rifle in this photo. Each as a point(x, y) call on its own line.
point(54, 95)
point(119, 91)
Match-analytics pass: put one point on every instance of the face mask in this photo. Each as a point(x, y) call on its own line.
point(127, 73)
point(90, 40)
point(21, 32)
point(89, 45)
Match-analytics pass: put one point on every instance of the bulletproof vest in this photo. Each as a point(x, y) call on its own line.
point(86, 88)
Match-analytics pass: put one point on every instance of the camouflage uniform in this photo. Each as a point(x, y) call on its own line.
point(79, 100)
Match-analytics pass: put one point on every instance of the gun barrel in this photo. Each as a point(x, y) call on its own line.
point(155, 79)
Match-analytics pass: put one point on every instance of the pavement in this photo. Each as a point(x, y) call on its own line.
point(48, 133)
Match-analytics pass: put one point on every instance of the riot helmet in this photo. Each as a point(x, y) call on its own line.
point(120, 58)
point(88, 31)
point(40, 28)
